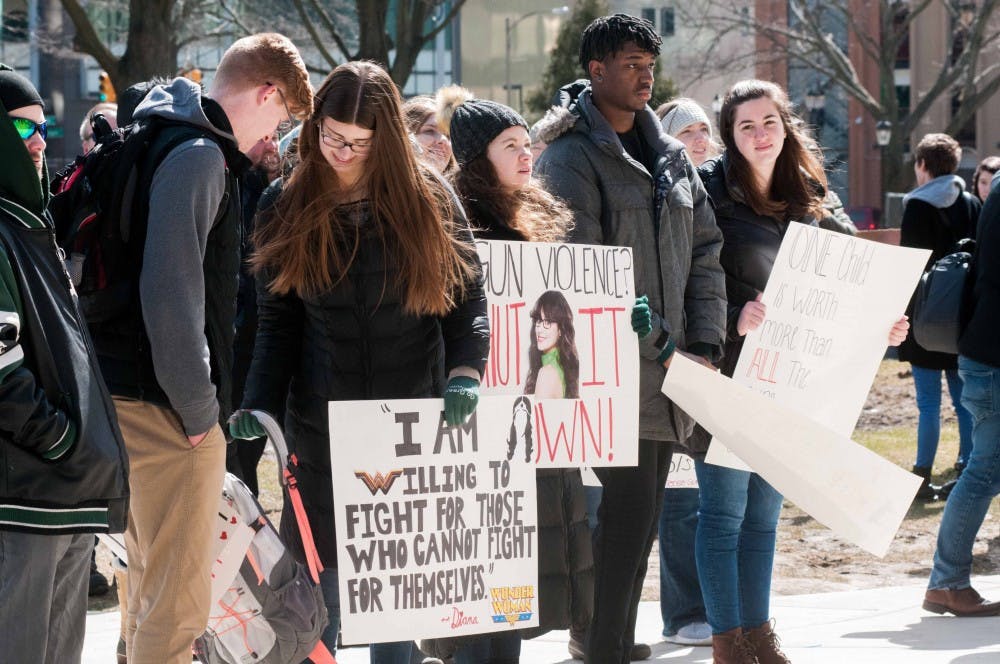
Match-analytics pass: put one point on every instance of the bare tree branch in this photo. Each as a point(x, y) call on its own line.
point(317, 39)
point(331, 27)
point(86, 39)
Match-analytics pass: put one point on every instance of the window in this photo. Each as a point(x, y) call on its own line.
point(667, 22)
point(649, 14)
point(14, 21)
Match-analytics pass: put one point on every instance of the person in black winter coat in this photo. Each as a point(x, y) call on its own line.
point(503, 202)
point(936, 215)
point(769, 177)
point(368, 287)
point(63, 469)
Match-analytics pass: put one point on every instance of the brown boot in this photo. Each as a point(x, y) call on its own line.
point(765, 644)
point(732, 647)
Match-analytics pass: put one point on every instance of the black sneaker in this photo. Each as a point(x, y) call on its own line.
point(639, 652)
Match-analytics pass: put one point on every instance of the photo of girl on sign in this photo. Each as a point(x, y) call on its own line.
point(553, 363)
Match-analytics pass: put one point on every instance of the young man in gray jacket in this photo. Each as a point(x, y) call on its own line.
point(629, 184)
point(167, 359)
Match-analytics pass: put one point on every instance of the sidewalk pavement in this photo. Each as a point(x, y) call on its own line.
point(884, 625)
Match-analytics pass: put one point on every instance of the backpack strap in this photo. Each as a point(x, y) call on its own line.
point(321, 655)
point(286, 474)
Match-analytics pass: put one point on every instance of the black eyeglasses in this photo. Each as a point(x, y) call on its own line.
point(338, 143)
point(26, 128)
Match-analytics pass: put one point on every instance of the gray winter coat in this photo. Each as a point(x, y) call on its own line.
point(667, 221)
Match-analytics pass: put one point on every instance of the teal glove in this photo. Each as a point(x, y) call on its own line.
point(460, 399)
point(642, 319)
point(242, 424)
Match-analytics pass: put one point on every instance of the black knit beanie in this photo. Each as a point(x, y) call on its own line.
point(16, 91)
point(477, 122)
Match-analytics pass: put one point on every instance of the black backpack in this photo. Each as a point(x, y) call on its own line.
point(100, 206)
point(941, 302)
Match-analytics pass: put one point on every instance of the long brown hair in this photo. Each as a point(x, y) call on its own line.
point(552, 306)
point(307, 246)
point(798, 186)
point(531, 211)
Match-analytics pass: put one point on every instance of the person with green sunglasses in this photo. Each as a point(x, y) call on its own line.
point(60, 445)
point(27, 127)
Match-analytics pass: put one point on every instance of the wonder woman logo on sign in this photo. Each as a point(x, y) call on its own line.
point(512, 604)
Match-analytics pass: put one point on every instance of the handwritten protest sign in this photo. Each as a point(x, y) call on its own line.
point(436, 525)
point(682, 475)
point(561, 331)
point(845, 486)
point(831, 300)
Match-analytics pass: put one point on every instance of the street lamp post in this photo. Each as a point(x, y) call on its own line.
point(816, 105)
point(509, 26)
point(883, 133)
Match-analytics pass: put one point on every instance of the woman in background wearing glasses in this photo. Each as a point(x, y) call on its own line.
point(369, 287)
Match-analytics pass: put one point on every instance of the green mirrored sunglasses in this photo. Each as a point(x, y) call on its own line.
point(26, 128)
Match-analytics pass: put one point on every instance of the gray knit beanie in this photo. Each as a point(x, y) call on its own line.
point(16, 91)
point(687, 112)
point(477, 122)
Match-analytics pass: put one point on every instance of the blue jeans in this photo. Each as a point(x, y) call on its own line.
point(593, 495)
point(380, 653)
point(928, 386)
point(680, 593)
point(978, 484)
point(734, 545)
point(500, 648)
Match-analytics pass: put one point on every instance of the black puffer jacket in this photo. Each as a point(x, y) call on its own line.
point(352, 342)
point(565, 555)
point(750, 245)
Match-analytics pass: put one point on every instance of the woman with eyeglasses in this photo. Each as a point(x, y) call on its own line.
point(553, 362)
point(504, 202)
point(369, 287)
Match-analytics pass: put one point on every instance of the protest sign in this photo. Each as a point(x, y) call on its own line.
point(436, 525)
point(682, 475)
point(845, 486)
point(831, 300)
point(560, 327)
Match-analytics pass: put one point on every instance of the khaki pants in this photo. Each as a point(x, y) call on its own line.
point(175, 495)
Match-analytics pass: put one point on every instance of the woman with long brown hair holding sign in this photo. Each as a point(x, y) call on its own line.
point(368, 287)
point(770, 176)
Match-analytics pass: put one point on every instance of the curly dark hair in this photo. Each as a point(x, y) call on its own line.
point(607, 35)
point(531, 211)
point(552, 305)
